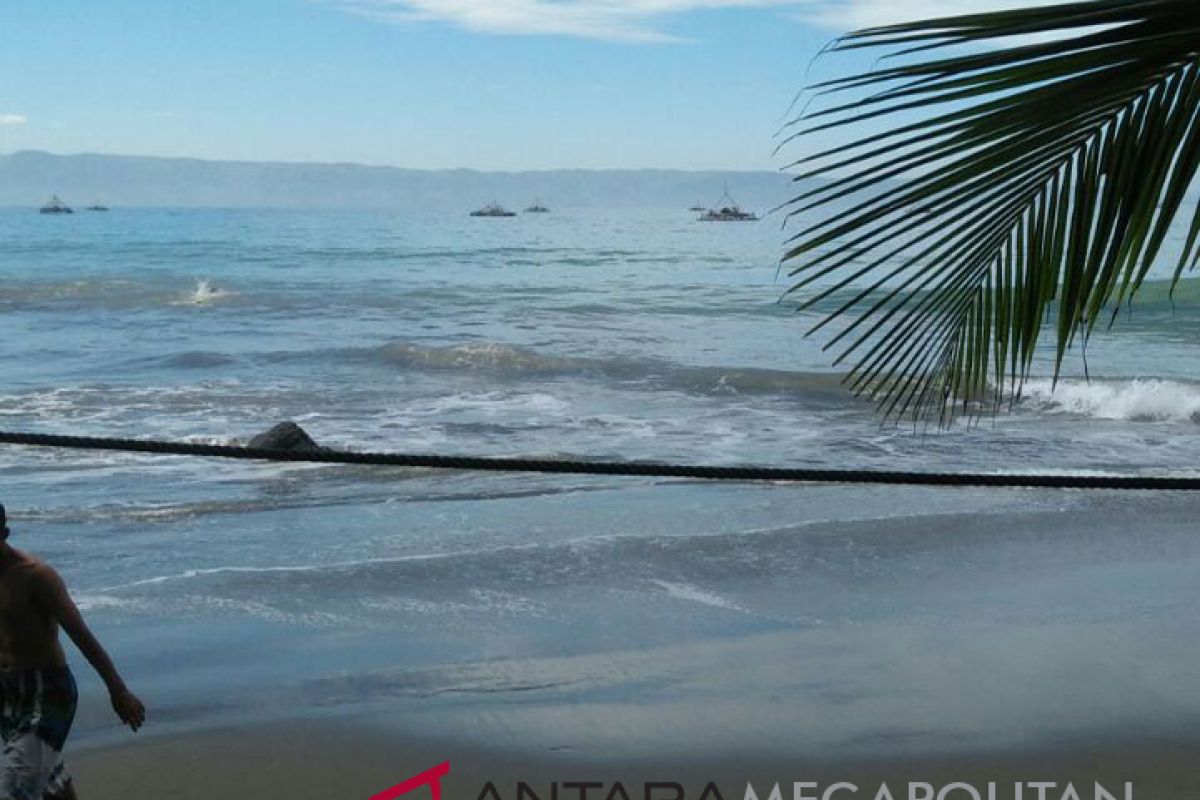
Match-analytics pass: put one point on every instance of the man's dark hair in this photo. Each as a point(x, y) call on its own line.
point(3, 523)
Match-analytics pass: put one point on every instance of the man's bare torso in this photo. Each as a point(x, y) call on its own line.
point(28, 633)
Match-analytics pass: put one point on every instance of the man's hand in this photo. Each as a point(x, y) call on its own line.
point(128, 708)
point(53, 594)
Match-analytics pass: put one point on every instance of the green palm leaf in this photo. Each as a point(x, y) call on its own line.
point(1037, 183)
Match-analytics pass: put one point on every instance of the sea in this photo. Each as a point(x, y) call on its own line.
point(233, 590)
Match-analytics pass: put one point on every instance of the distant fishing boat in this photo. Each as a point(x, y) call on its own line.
point(697, 207)
point(537, 208)
point(729, 212)
point(493, 210)
point(97, 206)
point(56, 206)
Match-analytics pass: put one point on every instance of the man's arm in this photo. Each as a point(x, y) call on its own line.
point(53, 592)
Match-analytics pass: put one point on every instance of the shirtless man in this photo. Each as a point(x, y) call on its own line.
point(37, 690)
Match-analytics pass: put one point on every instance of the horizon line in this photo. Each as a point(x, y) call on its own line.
point(364, 165)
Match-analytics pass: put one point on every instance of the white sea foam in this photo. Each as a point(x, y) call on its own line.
point(205, 293)
point(490, 404)
point(695, 594)
point(202, 605)
point(51, 404)
point(1140, 399)
point(91, 602)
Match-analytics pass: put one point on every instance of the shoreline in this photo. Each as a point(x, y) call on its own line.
point(335, 758)
point(817, 705)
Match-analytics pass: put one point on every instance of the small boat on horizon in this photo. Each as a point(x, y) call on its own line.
point(697, 207)
point(97, 206)
point(537, 208)
point(56, 206)
point(729, 212)
point(493, 210)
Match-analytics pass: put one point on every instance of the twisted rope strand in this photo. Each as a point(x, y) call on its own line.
point(633, 468)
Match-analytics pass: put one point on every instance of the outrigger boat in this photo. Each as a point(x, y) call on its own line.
point(729, 212)
point(56, 206)
point(493, 210)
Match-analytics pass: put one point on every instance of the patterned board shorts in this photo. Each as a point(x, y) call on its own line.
point(37, 707)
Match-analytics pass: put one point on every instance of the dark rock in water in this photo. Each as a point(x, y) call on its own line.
point(285, 436)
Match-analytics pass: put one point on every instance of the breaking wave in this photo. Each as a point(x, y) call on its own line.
point(509, 361)
point(205, 293)
point(1137, 400)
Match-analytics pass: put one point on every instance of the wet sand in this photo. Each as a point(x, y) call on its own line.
point(886, 705)
point(333, 759)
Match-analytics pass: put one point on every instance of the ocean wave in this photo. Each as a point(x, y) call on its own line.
point(539, 564)
point(139, 404)
point(193, 359)
point(92, 602)
point(436, 486)
point(837, 565)
point(1156, 294)
point(1135, 400)
point(691, 567)
point(493, 357)
point(21, 293)
point(205, 293)
point(513, 362)
point(694, 594)
point(112, 293)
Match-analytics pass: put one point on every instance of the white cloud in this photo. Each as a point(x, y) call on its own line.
point(642, 20)
point(848, 15)
point(12, 119)
point(614, 20)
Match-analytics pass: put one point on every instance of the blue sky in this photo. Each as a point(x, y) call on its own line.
point(483, 84)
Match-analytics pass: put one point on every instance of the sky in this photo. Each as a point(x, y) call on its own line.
point(427, 84)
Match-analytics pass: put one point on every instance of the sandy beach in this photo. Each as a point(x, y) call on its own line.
point(759, 709)
point(332, 759)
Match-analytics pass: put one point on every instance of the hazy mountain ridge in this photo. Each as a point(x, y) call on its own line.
point(29, 177)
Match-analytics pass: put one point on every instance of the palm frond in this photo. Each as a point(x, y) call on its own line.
point(1038, 180)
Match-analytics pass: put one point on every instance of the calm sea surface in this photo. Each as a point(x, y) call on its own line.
point(625, 334)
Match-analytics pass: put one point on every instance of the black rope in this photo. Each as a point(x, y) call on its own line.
point(637, 468)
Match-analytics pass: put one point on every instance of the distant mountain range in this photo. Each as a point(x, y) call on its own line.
point(29, 177)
